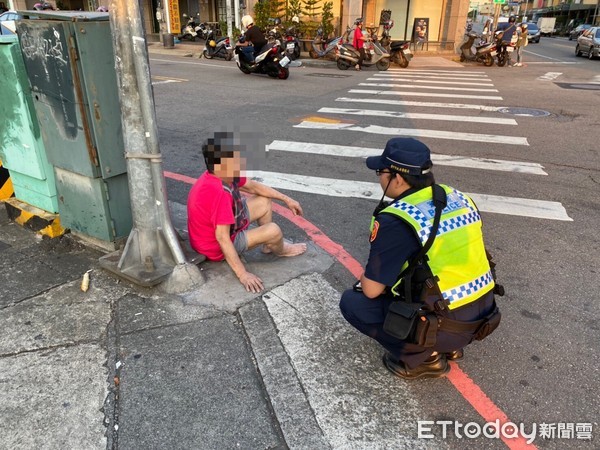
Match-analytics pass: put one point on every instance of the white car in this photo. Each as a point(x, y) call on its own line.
point(7, 22)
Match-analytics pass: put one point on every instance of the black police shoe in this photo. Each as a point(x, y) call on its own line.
point(434, 367)
point(456, 355)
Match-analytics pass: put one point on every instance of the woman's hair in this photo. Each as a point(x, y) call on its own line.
point(420, 181)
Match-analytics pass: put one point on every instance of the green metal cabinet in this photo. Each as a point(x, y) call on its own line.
point(70, 65)
point(21, 146)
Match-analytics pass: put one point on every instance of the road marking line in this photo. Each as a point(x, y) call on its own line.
point(159, 77)
point(439, 72)
point(414, 86)
point(217, 66)
point(403, 115)
point(414, 80)
point(414, 132)
point(441, 160)
point(425, 77)
point(154, 83)
point(549, 62)
point(332, 187)
point(549, 76)
point(423, 94)
point(420, 104)
point(541, 56)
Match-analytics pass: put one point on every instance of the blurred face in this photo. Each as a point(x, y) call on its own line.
point(231, 169)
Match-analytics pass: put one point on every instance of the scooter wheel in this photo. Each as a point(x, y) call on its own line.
point(296, 53)
point(462, 58)
point(228, 56)
point(501, 61)
point(383, 64)
point(488, 61)
point(342, 65)
point(313, 54)
point(206, 54)
point(284, 73)
point(403, 62)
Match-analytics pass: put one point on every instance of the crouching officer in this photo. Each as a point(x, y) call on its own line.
point(428, 287)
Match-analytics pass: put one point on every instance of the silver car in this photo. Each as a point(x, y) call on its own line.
point(533, 32)
point(589, 42)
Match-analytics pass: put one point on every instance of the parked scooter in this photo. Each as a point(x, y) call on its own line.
point(484, 52)
point(321, 48)
point(270, 61)
point(217, 48)
point(375, 54)
point(188, 31)
point(399, 50)
point(292, 43)
point(202, 31)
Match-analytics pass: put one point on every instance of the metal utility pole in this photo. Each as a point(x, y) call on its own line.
point(152, 253)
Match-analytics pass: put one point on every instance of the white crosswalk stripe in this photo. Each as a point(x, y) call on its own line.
point(413, 80)
point(414, 132)
point(420, 104)
point(360, 189)
point(423, 94)
point(403, 115)
point(415, 86)
point(441, 160)
point(419, 83)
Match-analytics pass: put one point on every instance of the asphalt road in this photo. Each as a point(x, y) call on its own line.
point(541, 365)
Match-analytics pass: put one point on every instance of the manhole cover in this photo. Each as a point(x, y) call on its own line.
point(327, 75)
point(527, 112)
point(589, 87)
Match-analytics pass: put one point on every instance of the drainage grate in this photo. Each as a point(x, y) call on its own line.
point(327, 75)
point(586, 86)
point(525, 112)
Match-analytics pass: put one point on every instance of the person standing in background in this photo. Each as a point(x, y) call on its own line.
point(522, 41)
point(359, 42)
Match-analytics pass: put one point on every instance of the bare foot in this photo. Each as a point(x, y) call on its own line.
point(292, 249)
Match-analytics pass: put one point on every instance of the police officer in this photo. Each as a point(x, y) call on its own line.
point(453, 282)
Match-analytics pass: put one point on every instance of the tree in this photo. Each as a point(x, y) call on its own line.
point(312, 9)
point(326, 18)
point(262, 13)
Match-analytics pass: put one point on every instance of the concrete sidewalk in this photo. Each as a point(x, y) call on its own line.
point(421, 59)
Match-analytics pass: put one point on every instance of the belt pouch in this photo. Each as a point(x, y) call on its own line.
point(401, 319)
point(426, 330)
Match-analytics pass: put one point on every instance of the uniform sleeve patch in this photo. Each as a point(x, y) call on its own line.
point(374, 231)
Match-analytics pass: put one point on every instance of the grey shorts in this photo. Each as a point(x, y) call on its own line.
point(240, 242)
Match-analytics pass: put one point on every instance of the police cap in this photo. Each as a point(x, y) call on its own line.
point(403, 155)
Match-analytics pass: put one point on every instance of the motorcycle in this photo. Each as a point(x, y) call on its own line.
point(375, 55)
point(399, 50)
point(504, 49)
point(188, 31)
point(292, 43)
point(288, 41)
point(269, 61)
point(484, 52)
point(400, 53)
point(219, 48)
point(323, 49)
point(202, 31)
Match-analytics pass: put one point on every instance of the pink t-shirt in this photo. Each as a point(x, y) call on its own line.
point(358, 43)
point(210, 204)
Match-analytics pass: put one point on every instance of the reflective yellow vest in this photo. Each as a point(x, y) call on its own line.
point(457, 257)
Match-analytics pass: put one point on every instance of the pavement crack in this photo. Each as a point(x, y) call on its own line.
point(50, 348)
point(37, 294)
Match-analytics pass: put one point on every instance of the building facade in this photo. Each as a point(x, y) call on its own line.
point(434, 22)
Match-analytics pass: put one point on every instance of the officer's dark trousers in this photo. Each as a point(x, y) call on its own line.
point(367, 316)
